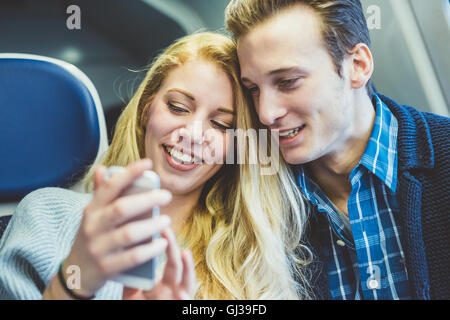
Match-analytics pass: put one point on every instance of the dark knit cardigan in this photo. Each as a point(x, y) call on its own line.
point(424, 198)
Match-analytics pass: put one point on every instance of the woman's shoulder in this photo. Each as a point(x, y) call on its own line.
point(54, 197)
point(52, 202)
point(53, 212)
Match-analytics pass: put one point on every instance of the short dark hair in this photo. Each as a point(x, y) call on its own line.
point(343, 23)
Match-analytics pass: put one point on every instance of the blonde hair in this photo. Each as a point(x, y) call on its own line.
point(245, 232)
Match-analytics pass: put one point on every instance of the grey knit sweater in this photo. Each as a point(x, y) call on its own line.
point(39, 236)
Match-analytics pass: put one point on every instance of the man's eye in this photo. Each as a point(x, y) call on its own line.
point(287, 83)
point(253, 90)
point(176, 108)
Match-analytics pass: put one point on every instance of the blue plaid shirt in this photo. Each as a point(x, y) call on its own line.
point(364, 258)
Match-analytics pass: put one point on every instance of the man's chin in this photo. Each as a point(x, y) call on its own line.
point(295, 157)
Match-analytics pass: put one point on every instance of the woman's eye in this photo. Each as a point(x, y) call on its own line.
point(220, 125)
point(176, 108)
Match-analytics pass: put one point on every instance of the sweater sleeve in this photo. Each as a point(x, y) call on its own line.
point(38, 237)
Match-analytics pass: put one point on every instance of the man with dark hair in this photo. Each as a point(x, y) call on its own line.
point(376, 174)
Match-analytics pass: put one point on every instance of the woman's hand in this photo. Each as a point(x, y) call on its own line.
point(178, 281)
point(108, 242)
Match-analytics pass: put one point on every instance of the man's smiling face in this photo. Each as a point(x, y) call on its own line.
point(295, 85)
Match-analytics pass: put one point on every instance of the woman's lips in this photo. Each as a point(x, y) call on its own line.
point(177, 164)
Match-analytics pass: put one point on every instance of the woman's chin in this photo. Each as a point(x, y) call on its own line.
point(177, 185)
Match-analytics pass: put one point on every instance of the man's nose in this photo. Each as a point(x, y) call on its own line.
point(270, 107)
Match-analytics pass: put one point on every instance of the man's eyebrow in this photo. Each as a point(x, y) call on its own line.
point(187, 94)
point(277, 71)
point(282, 70)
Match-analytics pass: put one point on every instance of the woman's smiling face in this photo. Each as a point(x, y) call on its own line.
point(187, 123)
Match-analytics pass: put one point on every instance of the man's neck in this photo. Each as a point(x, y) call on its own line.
point(332, 171)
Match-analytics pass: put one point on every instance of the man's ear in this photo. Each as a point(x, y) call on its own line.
point(361, 70)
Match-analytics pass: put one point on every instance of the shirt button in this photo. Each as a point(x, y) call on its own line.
point(340, 243)
point(373, 284)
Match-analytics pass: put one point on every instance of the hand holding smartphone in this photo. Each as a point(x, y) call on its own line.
point(143, 276)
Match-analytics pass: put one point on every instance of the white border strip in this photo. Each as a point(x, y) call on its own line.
point(420, 57)
point(446, 8)
point(187, 18)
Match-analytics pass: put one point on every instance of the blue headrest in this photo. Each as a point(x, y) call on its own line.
point(49, 127)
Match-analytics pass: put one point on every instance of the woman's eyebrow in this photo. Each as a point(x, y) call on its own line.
point(187, 94)
point(226, 110)
point(190, 96)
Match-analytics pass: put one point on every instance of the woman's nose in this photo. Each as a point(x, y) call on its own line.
point(196, 131)
point(192, 134)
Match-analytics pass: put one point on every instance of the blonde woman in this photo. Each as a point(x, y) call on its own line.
point(240, 231)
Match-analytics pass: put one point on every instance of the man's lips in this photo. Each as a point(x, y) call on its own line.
point(289, 133)
point(291, 137)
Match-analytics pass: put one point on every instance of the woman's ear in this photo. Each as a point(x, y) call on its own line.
point(361, 65)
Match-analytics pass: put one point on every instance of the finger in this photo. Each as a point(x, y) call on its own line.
point(114, 186)
point(182, 295)
point(129, 207)
point(174, 266)
point(130, 234)
point(98, 176)
point(118, 262)
point(132, 294)
point(188, 279)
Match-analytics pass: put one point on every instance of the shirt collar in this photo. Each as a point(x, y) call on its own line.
point(380, 156)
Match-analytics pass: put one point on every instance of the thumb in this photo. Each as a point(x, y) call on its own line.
point(98, 176)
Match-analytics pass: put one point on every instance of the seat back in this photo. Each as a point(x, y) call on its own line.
point(52, 126)
point(3, 224)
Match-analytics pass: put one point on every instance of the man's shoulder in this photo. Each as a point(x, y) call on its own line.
point(439, 125)
point(411, 114)
point(418, 127)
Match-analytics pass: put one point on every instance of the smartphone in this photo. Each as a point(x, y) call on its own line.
point(142, 276)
